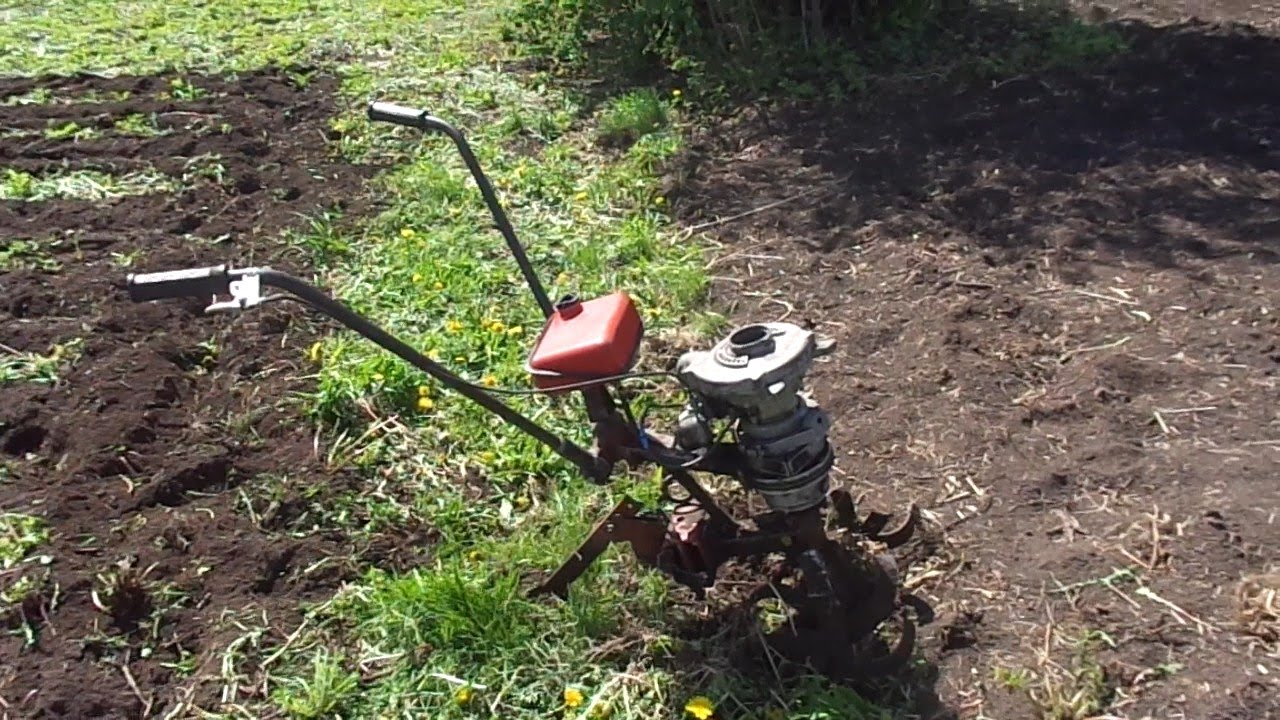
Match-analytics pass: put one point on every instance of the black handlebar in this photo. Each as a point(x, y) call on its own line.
point(205, 282)
point(195, 282)
point(398, 114)
point(423, 120)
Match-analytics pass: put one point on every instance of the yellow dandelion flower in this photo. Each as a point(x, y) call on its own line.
point(660, 200)
point(573, 697)
point(378, 377)
point(489, 381)
point(425, 403)
point(438, 286)
point(453, 326)
point(406, 233)
point(488, 456)
point(515, 330)
point(580, 196)
point(434, 355)
point(423, 391)
point(463, 695)
point(700, 707)
point(417, 277)
point(475, 556)
point(497, 326)
point(676, 93)
point(522, 502)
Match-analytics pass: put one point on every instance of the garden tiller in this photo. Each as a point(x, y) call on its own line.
point(747, 418)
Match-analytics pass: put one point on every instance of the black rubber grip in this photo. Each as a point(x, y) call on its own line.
point(196, 282)
point(398, 114)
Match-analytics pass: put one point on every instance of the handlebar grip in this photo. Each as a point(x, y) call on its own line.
point(195, 282)
point(398, 114)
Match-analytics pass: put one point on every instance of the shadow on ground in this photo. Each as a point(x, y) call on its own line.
point(1169, 150)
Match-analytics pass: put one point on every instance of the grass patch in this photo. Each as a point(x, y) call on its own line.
point(21, 573)
point(20, 535)
point(1071, 688)
point(60, 36)
point(27, 255)
point(81, 185)
point(632, 116)
point(70, 130)
point(18, 367)
point(46, 96)
point(139, 125)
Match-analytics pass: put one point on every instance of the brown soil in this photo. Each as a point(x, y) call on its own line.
point(175, 480)
point(1056, 307)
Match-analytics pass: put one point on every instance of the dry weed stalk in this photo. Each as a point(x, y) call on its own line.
point(1258, 597)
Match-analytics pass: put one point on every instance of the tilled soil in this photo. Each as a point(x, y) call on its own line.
point(1055, 302)
point(180, 491)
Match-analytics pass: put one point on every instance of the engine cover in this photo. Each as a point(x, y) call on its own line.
point(755, 376)
point(757, 370)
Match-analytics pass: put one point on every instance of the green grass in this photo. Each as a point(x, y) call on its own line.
point(16, 367)
point(21, 572)
point(632, 116)
point(19, 536)
point(26, 254)
point(139, 125)
point(70, 130)
point(46, 96)
point(80, 185)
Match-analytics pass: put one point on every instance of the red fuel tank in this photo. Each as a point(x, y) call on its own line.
point(587, 340)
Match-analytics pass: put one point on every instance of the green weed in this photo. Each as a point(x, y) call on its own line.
point(71, 131)
point(19, 535)
point(182, 89)
point(321, 695)
point(81, 185)
point(1017, 679)
point(27, 255)
point(37, 96)
point(46, 96)
point(139, 125)
point(20, 573)
point(632, 116)
point(33, 367)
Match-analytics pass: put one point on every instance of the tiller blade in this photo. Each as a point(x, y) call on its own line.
point(624, 524)
point(841, 596)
